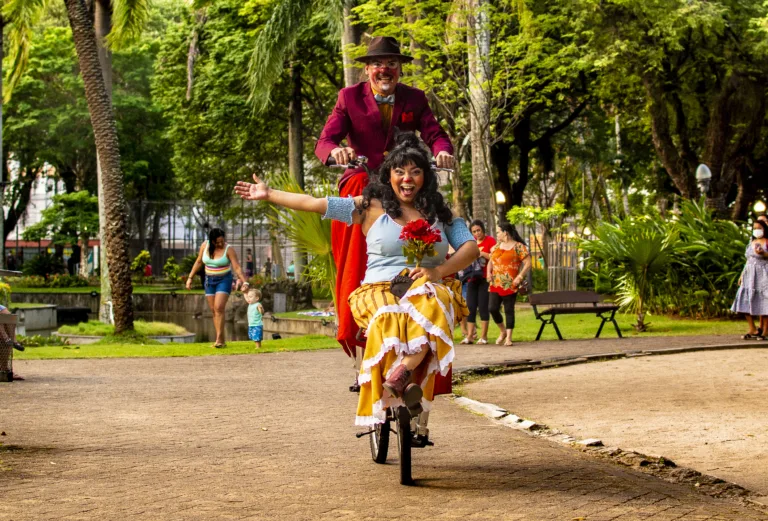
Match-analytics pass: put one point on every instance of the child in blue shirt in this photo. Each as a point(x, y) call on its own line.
point(255, 314)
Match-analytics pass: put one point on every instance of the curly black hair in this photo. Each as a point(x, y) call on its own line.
point(429, 201)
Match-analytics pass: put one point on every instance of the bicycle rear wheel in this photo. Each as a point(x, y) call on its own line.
point(404, 438)
point(380, 441)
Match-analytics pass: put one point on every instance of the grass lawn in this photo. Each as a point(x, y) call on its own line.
point(305, 343)
point(139, 290)
point(571, 326)
point(25, 305)
point(585, 326)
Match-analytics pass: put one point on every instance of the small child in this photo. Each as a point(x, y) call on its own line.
point(255, 314)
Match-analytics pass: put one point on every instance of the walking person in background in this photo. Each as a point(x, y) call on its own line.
point(220, 261)
point(752, 296)
point(268, 269)
point(477, 285)
point(509, 263)
point(248, 263)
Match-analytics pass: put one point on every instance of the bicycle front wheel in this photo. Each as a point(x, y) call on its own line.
point(404, 439)
point(380, 441)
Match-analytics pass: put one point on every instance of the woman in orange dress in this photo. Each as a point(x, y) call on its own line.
point(509, 263)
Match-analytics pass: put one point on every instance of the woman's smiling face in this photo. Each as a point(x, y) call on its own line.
point(406, 181)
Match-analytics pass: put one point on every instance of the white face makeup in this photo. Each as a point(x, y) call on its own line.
point(384, 73)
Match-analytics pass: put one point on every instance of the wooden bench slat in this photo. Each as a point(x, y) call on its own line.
point(571, 303)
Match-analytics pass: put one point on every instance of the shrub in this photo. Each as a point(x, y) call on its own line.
point(187, 263)
point(66, 281)
point(5, 294)
point(44, 265)
point(172, 270)
point(140, 262)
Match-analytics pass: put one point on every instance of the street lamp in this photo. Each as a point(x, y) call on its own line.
point(587, 232)
point(500, 198)
point(759, 207)
point(703, 178)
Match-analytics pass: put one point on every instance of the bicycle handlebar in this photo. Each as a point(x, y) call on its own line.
point(362, 160)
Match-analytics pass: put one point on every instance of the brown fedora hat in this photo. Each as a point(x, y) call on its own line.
point(383, 46)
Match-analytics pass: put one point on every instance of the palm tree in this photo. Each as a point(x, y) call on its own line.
point(108, 149)
point(636, 255)
point(130, 17)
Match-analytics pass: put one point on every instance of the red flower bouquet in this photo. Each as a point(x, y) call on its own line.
point(420, 238)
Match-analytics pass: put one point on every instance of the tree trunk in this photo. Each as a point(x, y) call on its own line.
point(108, 149)
point(590, 182)
point(478, 48)
point(84, 256)
point(349, 36)
point(522, 133)
point(102, 26)
point(677, 168)
point(2, 170)
point(194, 50)
point(296, 153)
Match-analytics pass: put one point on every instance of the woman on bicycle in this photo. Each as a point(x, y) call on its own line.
point(409, 339)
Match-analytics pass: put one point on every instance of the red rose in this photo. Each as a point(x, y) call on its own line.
point(420, 230)
point(407, 117)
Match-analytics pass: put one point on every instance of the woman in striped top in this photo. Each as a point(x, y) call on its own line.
point(219, 260)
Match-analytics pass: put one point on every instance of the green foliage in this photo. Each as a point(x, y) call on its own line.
point(309, 232)
point(40, 341)
point(172, 270)
point(637, 255)
point(96, 328)
point(5, 294)
point(532, 215)
point(187, 263)
point(66, 281)
point(141, 261)
point(44, 265)
point(71, 217)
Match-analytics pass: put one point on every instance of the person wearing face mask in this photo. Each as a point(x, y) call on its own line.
point(752, 296)
point(367, 115)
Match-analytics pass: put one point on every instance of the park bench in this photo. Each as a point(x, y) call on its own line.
point(570, 303)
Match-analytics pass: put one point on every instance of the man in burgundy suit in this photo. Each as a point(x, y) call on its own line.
point(366, 115)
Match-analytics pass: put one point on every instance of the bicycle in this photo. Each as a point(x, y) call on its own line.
point(411, 432)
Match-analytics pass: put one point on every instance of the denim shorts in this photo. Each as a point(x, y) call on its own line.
point(256, 333)
point(222, 284)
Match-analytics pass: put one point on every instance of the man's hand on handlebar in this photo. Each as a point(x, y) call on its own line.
point(444, 160)
point(343, 155)
point(256, 191)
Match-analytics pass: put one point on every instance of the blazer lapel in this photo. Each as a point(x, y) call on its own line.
point(372, 112)
point(396, 112)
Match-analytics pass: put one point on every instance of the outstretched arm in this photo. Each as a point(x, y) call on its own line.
point(259, 191)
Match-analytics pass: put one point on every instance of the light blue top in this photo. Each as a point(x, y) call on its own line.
point(254, 315)
point(385, 249)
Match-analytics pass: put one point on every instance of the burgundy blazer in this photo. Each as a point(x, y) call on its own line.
point(356, 117)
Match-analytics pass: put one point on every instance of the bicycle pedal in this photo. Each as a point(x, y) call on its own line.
point(354, 388)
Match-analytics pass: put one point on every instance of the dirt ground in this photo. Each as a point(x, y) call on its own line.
point(704, 410)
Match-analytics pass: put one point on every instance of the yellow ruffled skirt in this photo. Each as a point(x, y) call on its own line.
point(424, 316)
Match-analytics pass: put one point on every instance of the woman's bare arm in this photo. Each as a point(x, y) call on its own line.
point(259, 191)
point(196, 266)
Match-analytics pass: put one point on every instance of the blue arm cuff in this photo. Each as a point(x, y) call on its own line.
point(458, 233)
point(340, 209)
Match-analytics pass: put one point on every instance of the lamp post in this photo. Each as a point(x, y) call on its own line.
point(703, 178)
point(759, 208)
point(500, 201)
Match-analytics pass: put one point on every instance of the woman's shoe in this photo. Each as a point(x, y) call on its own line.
point(508, 343)
point(482, 342)
point(465, 340)
point(399, 386)
point(752, 336)
point(500, 340)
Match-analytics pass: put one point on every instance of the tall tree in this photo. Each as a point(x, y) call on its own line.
point(108, 149)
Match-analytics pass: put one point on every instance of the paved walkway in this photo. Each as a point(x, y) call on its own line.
point(271, 437)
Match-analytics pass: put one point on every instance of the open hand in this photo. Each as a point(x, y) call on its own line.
point(189, 283)
point(256, 191)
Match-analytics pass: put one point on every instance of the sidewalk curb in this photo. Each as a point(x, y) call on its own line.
point(525, 365)
point(658, 466)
